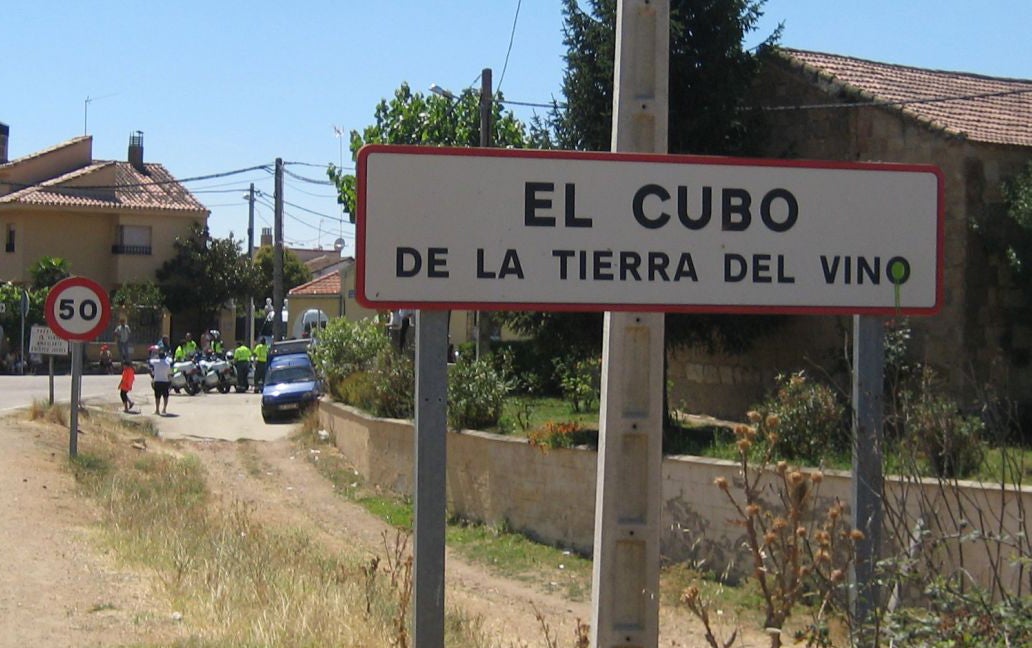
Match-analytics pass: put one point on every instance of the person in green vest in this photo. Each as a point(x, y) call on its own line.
point(216, 342)
point(186, 350)
point(261, 358)
point(242, 360)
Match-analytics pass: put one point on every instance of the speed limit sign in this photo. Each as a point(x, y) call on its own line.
point(77, 309)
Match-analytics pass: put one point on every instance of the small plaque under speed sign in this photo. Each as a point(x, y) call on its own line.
point(77, 309)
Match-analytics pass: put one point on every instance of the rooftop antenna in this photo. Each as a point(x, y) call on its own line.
point(86, 109)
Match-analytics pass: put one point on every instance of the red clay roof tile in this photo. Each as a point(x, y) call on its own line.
point(980, 108)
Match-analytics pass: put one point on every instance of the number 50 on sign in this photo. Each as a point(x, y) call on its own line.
point(77, 308)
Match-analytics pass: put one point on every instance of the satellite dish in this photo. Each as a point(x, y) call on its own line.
point(338, 245)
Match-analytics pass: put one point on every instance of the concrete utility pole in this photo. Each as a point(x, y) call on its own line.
point(486, 109)
point(625, 573)
point(277, 255)
point(250, 255)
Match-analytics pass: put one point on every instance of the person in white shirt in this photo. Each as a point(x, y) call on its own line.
point(161, 372)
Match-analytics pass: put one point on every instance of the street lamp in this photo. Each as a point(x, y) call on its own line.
point(441, 92)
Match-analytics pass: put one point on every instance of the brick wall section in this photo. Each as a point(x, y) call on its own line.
point(984, 331)
point(550, 496)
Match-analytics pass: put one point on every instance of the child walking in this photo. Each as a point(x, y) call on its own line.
point(126, 385)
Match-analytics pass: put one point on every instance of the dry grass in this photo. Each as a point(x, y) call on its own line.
point(234, 580)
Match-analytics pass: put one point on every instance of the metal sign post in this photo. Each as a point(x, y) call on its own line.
point(431, 446)
point(868, 487)
point(73, 417)
point(77, 309)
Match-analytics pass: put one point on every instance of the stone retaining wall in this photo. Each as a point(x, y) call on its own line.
point(550, 496)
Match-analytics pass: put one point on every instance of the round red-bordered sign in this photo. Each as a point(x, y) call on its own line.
point(77, 309)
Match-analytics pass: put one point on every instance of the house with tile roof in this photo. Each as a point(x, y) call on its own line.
point(978, 131)
point(113, 221)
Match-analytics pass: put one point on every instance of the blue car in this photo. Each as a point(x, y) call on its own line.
point(291, 387)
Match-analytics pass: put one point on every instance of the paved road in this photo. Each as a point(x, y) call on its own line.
point(229, 417)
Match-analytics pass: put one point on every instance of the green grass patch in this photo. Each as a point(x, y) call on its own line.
point(523, 414)
point(515, 556)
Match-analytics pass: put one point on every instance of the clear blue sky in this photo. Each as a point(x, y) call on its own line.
point(220, 86)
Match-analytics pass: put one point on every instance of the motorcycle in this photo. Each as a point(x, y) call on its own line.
point(218, 374)
point(187, 376)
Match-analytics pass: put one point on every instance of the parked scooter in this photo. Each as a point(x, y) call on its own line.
point(218, 374)
point(187, 376)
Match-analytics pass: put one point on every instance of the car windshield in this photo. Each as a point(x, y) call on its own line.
point(297, 374)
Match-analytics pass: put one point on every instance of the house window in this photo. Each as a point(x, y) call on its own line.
point(132, 239)
point(9, 245)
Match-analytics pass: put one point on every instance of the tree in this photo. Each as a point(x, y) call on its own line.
point(47, 271)
point(145, 294)
point(428, 120)
point(1016, 244)
point(205, 274)
point(710, 76)
point(295, 273)
point(710, 79)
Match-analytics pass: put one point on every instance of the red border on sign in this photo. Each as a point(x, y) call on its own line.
point(360, 231)
point(102, 297)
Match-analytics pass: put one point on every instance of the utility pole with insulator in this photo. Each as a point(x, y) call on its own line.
point(277, 256)
point(486, 110)
point(250, 255)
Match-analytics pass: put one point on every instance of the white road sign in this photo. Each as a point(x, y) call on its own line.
point(45, 342)
point(555, 230)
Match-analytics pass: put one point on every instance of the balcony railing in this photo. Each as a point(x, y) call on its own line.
point(118, 248)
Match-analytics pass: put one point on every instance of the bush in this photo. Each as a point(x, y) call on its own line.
point(812, 421)
point(391, 386)
point(560, 435)
point(347, 347)
point(948, 440)
point(476, 392)
point(580, 381)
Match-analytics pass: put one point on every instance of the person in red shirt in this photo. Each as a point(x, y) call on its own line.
point(126, 385)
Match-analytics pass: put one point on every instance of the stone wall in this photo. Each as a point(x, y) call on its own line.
point(550, 496)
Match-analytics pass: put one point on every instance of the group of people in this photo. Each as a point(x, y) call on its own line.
point(159, 365)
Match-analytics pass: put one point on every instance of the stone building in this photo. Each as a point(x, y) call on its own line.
point(978, 130)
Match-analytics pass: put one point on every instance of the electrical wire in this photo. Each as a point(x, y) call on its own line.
point(512, 37)
point(306, 179)
point(309, 193)
point(129, 185)
point(898, 102)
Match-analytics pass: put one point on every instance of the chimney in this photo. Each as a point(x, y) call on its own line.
point(266, 236)
point(136, 151)
point(5, 134)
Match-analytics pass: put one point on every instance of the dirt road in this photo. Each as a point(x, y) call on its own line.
point(60, 588)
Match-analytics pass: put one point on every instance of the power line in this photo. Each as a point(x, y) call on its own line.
point(306, 179)
point(309, 193)
point(897, 102)
point(314, 213)
point(129, 185)
point(512, 37)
